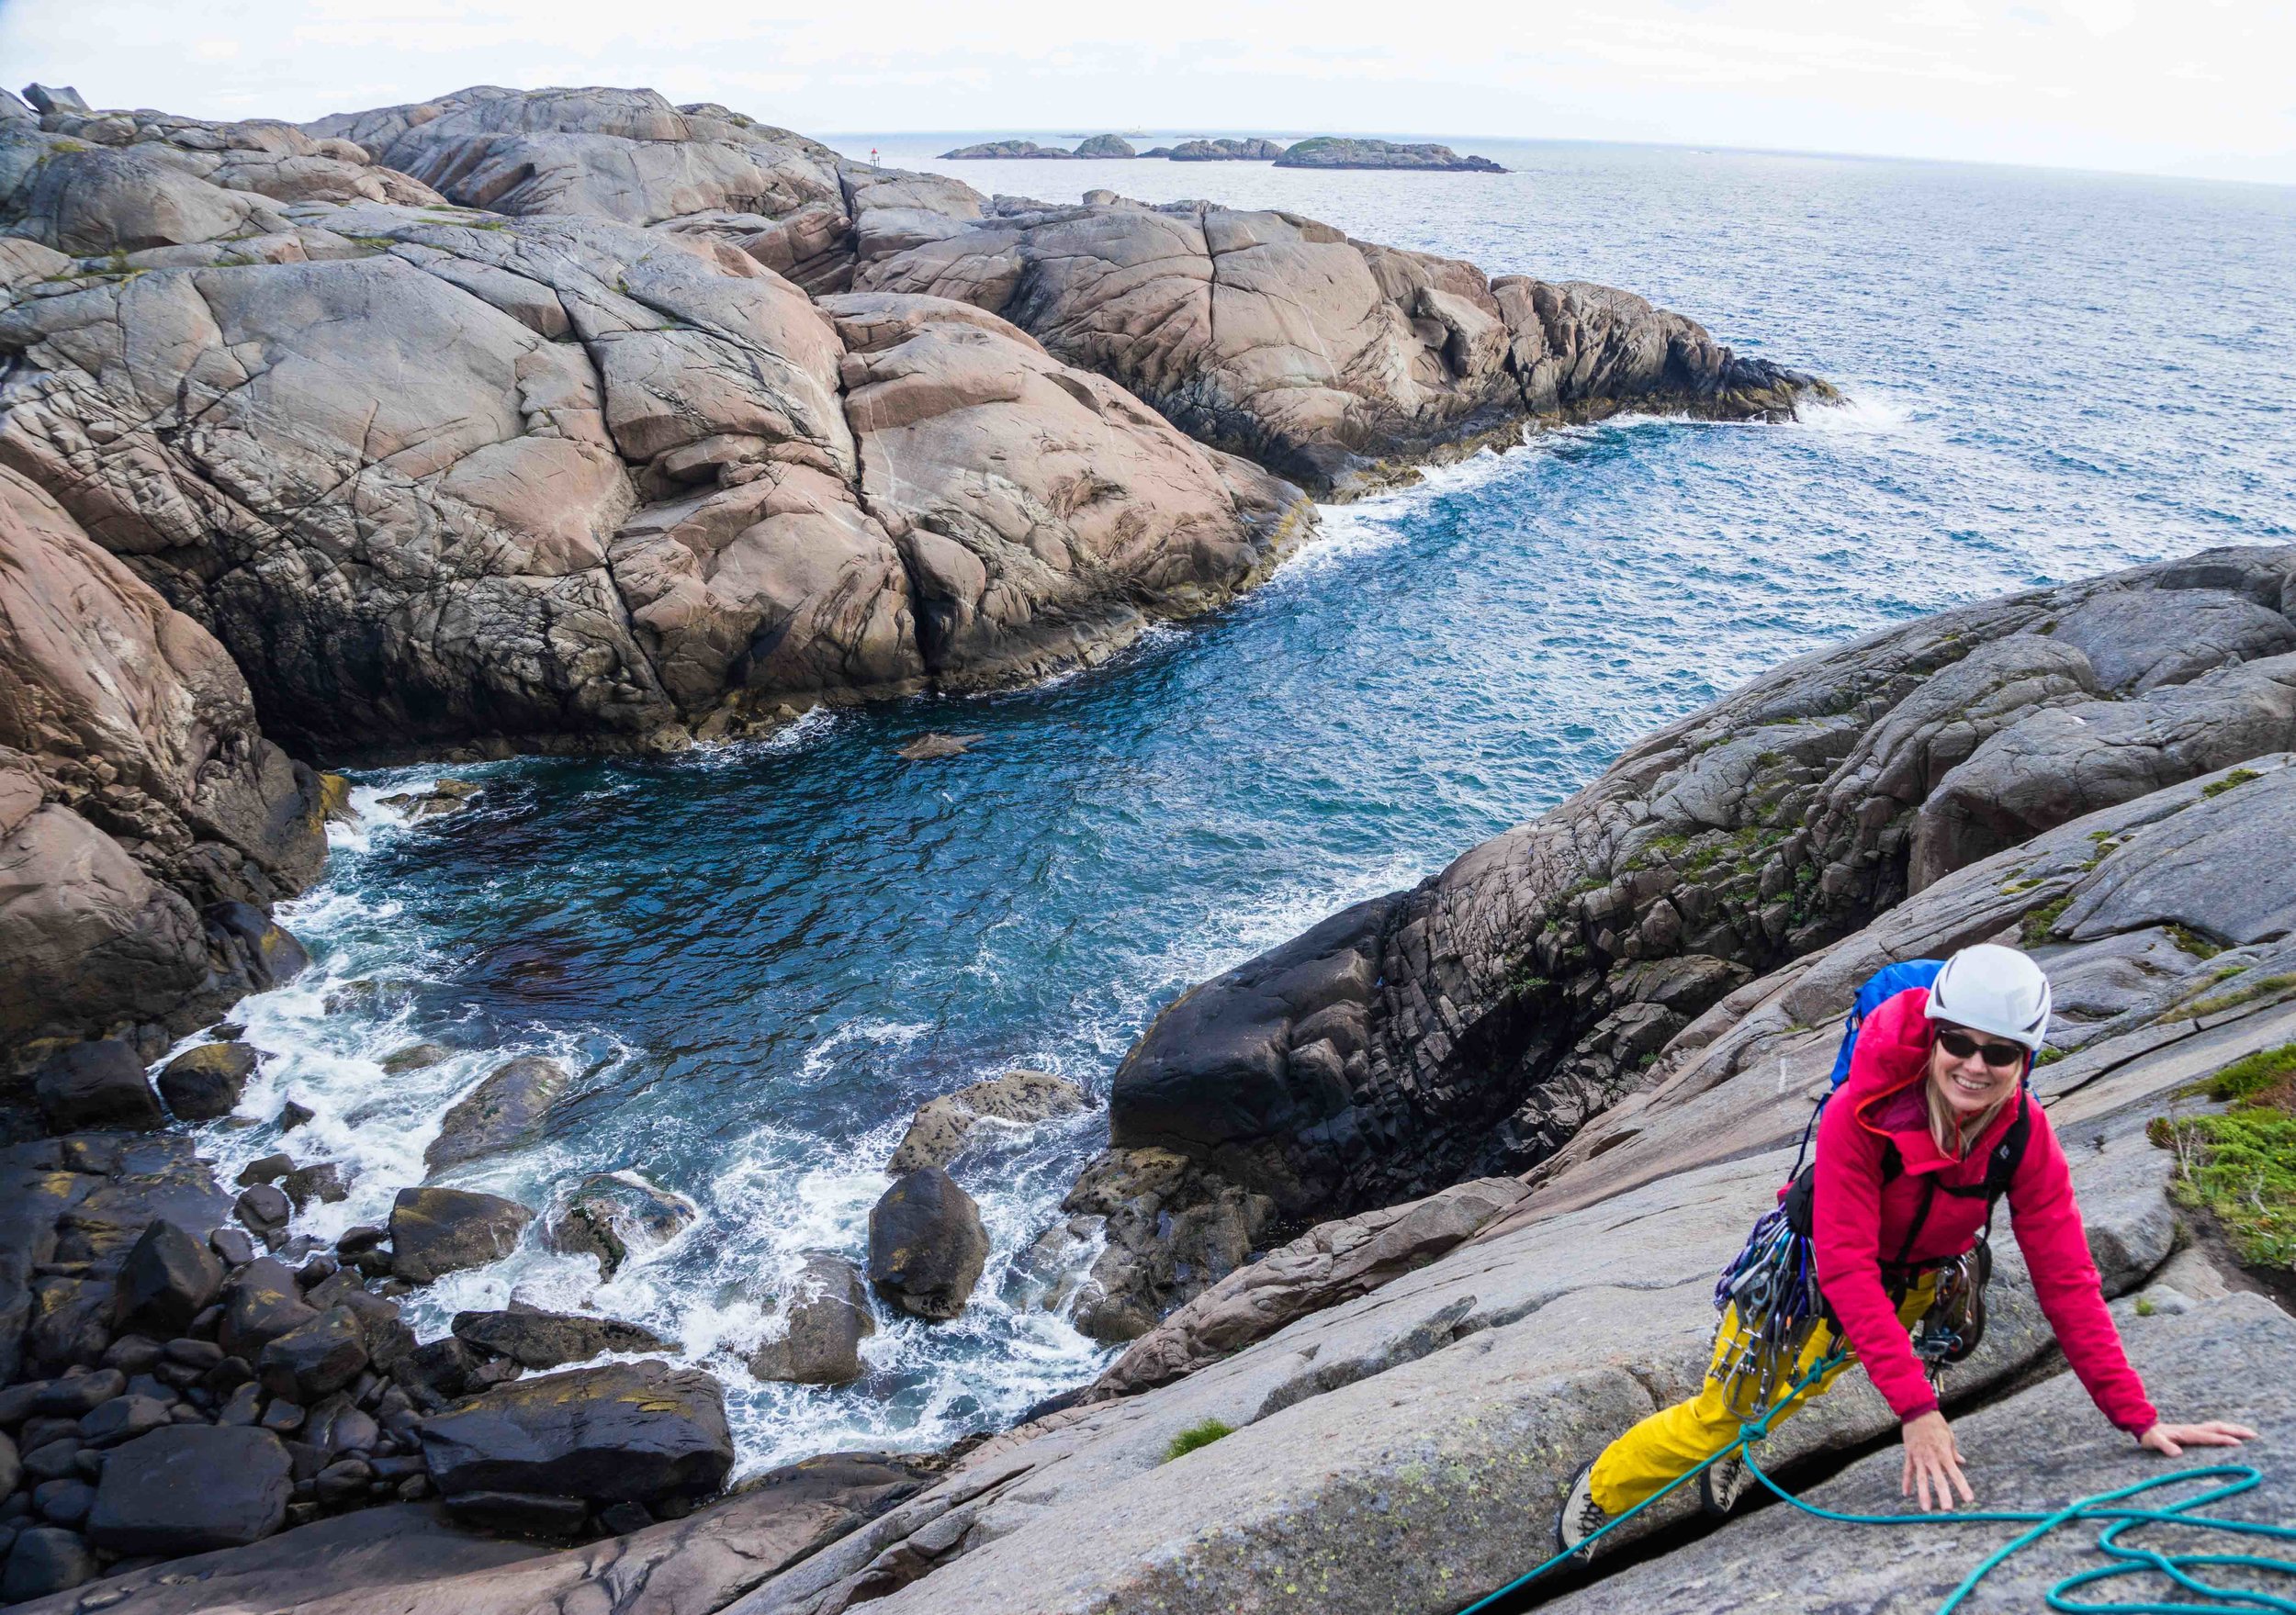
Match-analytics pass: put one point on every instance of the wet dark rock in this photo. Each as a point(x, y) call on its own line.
point(321, 1182)
point(612, 1214)
point(828, 1317)
point(132, 1355)
point(415, 1057)
point(244, 1406)
point(359, 1239)
point(283, 1416)
point(940, 1129)
point(264, 1208)
point(193, 1354)
point(96, 1085)
point(190, 1489)
point(264, 1169)
point(203, 1084)
point(321, 1355)
point(622, 1432)
point(342, 1481)
point(435, 1231)
point(317, 1272)
point(45, 1559)
point(11, 1464)
point(51, 1459)
point(122, 1420)
point(261, 1303)
point(926, 1246)
point(78, 1394)
point(536, 1338)
point(169, 1278)
point(499, 1113)
point(293, 1114)
point(64, 1502)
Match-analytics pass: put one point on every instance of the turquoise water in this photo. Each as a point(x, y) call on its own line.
point(758, 959)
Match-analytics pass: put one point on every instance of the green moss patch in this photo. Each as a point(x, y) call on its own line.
point(2039, 922)
point(2240, 1166)
point(1195, 1436)
point(2237, 777)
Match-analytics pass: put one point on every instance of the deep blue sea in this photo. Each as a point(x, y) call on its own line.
point(758, 959)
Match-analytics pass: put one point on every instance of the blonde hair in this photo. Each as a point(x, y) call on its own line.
point(1945, 1127)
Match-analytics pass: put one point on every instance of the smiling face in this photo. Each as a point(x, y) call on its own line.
point(1968, 1083)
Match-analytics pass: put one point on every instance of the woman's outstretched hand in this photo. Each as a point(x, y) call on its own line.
point(2173, 1438)
point(1932, 1459)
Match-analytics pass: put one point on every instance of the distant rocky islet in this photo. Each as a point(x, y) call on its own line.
point(1319, 151)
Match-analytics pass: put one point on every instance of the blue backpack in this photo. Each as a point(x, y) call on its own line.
point(1880, 987)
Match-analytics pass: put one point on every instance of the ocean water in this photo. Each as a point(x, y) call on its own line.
point(757, 960)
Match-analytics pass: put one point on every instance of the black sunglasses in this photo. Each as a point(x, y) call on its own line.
point(2000, 1056)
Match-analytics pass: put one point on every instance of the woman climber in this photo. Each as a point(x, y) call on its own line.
point(1933, 1123)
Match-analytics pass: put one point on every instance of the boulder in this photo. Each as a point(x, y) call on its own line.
point(435, 1231)
point(169, 1278)
point(203, 1084)
point(264, 1208)
point(926, 1246)
point(499, 1113)
point(941, 1126)
point(122, 1420)
point(415, 1057)
point(191, 1488)
point(639, 1432)
point(262, 1303)
point(828, 1317)
point(1103, 146)
point(45, 1560)
point(611, 1214)
point(96, 1085)
point(321, 1354)
point(534, 1338)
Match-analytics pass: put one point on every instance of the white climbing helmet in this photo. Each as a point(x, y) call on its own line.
point(1989, 987)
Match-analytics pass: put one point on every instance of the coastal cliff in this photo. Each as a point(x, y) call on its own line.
point(574, 421)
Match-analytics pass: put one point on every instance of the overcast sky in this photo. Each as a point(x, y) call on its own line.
point(2193, 86)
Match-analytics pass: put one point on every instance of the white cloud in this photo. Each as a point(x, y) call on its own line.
point(2200, 86)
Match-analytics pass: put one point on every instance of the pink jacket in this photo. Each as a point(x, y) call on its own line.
point(1861, 1221)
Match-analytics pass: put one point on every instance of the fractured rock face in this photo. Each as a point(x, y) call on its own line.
point(1278, 337)
point(124, 724)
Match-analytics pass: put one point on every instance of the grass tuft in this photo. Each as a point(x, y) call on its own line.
point(2241, 1166)
point(1195, 1436)
point(2238, 777)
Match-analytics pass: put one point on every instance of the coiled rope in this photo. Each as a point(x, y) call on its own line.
point(2108, 1507)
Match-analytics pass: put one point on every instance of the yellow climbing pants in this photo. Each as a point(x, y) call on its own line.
point(1674, 1439)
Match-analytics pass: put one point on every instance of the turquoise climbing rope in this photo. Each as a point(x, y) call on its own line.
point(2129, 1559)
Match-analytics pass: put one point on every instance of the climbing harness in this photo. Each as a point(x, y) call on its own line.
point(1771, 1282)
point(2111, 1508)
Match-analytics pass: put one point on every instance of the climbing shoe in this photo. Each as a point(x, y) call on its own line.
point(1722, 1483)
point(1580, 1516)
